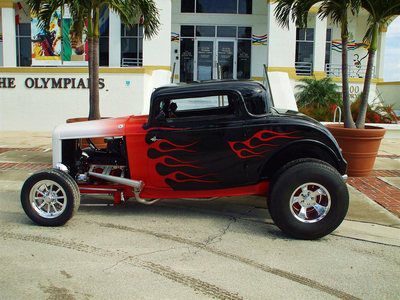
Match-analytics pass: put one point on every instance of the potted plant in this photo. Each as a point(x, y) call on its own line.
point(360, 143)
point(86, 13)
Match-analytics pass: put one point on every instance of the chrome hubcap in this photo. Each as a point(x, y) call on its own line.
point(48, 199)
point(310, 202)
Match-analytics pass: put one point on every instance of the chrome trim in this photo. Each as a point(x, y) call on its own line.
point(62, 167)
point(345, 177)
point(136, 184)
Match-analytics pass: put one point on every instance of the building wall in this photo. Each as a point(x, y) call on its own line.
point(258, 21)
point(390, 94)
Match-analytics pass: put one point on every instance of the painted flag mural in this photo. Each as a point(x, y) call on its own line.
point(60, 44)
point(47, 44)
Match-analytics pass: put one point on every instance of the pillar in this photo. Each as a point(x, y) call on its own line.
point(9, 34)
point(114, 40)
point(281, 44)
point(319, 46)
point(157, 50)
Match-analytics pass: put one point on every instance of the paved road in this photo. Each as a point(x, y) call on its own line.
point(226, 249)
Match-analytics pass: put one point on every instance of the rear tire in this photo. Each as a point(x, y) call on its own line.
point(50, 197)
point(308, 200)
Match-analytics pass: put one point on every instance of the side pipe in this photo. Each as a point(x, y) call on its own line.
point(136, 184)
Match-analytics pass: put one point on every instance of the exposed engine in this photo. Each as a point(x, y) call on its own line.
point(109, 161)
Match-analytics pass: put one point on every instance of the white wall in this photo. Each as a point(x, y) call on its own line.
point(390, 94)
point(43, 109)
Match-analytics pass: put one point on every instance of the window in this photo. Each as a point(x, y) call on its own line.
point(24, 53)
point(104, 45)
point(132, 46)
point(206, 107)
point(304, 51)
point(219, 7)
point(187, 60)
point(256, 101)
point(328, 47)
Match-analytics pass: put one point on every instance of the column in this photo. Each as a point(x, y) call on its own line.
point(380, 56)
point(9, 34)
point(319, 47)
point(157, 50)
point(114, 40)
point(281, 44)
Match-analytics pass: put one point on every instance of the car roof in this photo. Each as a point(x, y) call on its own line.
point(212, 85)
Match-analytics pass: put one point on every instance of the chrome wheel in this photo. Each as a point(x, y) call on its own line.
point(48, 199)
point(310, 202)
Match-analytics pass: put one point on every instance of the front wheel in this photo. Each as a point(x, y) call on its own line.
point(50, 197)
point(309, 200)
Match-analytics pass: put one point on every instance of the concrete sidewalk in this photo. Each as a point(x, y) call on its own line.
point(223, 249)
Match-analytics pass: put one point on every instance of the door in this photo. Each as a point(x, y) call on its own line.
point(226, 59)
point(205, 68)
point(191, 149)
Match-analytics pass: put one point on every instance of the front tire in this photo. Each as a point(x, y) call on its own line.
point(308, 200)
point(50, 197)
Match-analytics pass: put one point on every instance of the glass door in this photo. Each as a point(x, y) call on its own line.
point(205, 69)
point(226, 59)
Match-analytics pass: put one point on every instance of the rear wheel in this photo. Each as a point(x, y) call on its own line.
point(50, 198)
point(308, 200)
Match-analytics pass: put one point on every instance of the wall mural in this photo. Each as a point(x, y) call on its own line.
point(352, 45)
point(60, 42)
point(175, 37)
point(259, 40)
point(47, 44)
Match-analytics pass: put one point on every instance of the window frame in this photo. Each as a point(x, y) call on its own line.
point(239, 109)
point(18, 38)
point(229, 13)
point(138, 36)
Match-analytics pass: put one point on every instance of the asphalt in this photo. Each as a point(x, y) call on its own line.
point(176, 249)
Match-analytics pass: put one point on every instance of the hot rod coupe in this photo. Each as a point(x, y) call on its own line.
point(200, 140)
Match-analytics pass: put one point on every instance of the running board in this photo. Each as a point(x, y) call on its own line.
point(136, 184)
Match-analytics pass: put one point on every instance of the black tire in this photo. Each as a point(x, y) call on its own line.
point(289, 183)
point(69, 192)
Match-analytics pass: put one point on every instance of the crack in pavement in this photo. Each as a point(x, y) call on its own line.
point(206, 288)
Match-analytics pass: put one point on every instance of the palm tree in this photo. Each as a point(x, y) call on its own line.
point(88, 12)
point(338, 11)
point(381, 12)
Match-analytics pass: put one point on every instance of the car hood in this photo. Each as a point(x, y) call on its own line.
point(91, 129)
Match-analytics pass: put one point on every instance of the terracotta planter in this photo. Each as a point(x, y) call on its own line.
point(98, 142)
point(360, 147)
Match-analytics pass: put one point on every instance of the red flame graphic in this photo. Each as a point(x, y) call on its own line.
point(169, 148)
point(245, 149)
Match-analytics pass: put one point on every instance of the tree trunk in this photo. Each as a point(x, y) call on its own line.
point(95, 81)
point(348, 119)
point(95, 95)
point(90, 65)
point(360, 123)
point(368, 78)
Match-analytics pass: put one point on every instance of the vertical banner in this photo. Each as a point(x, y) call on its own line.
point(47, 44)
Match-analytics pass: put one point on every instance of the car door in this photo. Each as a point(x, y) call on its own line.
point(190, 144)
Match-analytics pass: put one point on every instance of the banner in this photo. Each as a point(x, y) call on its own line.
point(47, 45)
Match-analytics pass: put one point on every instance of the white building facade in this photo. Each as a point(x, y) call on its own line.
point(43, 79)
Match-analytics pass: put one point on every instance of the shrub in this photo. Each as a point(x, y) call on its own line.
point(318, 98)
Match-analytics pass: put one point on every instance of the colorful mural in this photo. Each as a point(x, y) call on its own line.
point(175, 37)
point(352, 45)
point(47, 44)
point(259, 40)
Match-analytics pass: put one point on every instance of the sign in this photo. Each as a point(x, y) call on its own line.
point(49, 83)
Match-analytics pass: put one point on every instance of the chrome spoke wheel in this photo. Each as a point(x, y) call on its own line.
point(310, 202)
point(48, 199)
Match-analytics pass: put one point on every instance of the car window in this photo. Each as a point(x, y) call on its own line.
point(215, 106)
point(255, 101)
